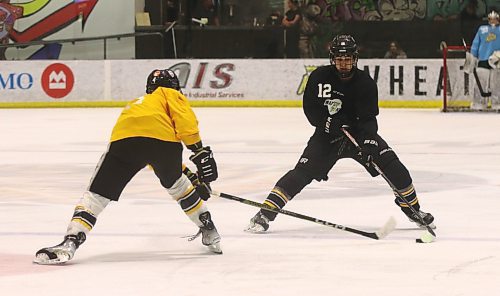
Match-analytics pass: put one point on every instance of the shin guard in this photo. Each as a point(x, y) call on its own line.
point(409, 195)
point(186, 196)
point(86, 212)
point(286, 188)
point(397, 173)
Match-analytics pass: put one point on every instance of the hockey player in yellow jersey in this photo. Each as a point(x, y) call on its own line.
point(149, 131)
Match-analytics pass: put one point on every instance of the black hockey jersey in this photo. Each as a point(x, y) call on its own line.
point(355, 101)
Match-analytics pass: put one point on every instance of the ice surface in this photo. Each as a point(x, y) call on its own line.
point(138, 246)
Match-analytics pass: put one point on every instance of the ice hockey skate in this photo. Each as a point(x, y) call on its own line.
point(209, 235)
point(258, 224)
point(426, 217)
point(60, 253)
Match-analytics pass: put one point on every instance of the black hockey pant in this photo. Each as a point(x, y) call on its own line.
point(126, 157)
point(319, 157)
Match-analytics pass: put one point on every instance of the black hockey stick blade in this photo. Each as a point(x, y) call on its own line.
point(394, 189)
point(388, 227)
point(479, 86)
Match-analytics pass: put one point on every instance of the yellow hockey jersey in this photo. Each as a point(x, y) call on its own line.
point(164, 114)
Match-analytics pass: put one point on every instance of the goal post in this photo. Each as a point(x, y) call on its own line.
point(458, 86)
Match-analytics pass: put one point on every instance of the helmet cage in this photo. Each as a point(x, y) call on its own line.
point(164, 78)
point(493, 18)
point(344, 46)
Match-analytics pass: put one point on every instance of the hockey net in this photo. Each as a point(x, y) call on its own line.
point(458, 86)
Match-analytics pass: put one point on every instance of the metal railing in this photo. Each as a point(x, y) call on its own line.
point(84, 39)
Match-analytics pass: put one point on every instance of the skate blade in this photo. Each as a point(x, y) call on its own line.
point(255, 229)
point(215, 248)
point(43, 259)
point(431, 226)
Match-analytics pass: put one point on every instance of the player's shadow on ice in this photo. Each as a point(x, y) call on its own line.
point(146, 256)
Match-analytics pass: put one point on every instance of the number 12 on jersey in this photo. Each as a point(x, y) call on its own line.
point(324, 90)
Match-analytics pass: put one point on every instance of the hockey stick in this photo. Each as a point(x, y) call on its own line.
point(479, 86)
point(376, 167)
point(388, 227)
point(476, 77)
point(379, 234)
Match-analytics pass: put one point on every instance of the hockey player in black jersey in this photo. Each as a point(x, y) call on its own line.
point(341, 95)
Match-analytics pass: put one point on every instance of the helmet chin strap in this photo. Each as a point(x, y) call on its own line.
point(343, 75)
point(347, 76)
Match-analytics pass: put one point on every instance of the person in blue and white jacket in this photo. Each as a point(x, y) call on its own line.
point(485, 51)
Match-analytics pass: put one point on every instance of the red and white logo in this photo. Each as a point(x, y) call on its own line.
point(57, 80)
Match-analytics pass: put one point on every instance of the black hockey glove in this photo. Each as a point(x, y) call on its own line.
point(193, 178)
point(204, 160)
point(369, 150)
point(333, 124)
point(203, 189)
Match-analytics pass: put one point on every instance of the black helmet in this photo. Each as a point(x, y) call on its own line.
point(344, 45)
point(164, 78)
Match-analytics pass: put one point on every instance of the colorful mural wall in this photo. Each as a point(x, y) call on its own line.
point(25, 21)
point(398, 10)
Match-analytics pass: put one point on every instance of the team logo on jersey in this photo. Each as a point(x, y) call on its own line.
point(491, 37)
point(334, 106)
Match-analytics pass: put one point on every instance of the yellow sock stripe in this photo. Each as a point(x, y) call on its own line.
point(412, 202)
point(280, 194)
point(270, 203)
point(82, 222)
point(80, 208)
point(407, 191)
point(194, 208)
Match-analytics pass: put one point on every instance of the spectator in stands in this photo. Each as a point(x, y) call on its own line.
point(444, 10)
point(308, 29)
point(172, 11)
point(274, 48)
point(209, 10)
point(274, 19)
point(469, 13)
point(395, 51)
point(291, 22)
